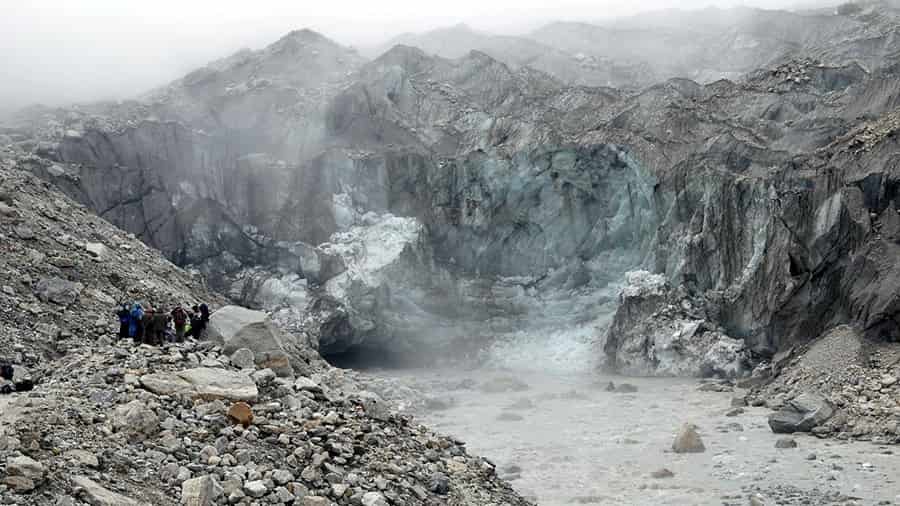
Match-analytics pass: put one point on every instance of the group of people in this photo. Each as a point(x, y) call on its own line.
point(155, 327)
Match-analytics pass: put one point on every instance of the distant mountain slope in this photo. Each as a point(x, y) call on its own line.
point(715, 43)
point(576, 68)
point(703, 45)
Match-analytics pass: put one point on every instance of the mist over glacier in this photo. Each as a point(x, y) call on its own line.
point(56, 52)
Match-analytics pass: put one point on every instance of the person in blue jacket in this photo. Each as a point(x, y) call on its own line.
point(136, 324)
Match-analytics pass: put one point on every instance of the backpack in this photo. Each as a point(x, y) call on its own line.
point(179, 316)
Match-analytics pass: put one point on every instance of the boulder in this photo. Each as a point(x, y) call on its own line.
point(374, 499)
point(98, 250)
point(83, 458)
point(57, 291)
point(256, 488)
point(203, 383)
point(264, 377)
point(688, 440)
point(236, 328)
point(92, 493)
point(241, 413)
point(136, 420)
point(243, 358)
point(374, 406)
point(439, 483)
point(19, 484)
point(306, 384)
point(802, 414)
point(200, 491)
point(25, 467)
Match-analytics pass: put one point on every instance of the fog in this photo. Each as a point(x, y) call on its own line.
point(61, 51)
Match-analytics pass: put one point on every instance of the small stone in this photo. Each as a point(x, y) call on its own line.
point(314, 500)
point(786, 442)
point(688, 440)
point(183, 474)
point(662, 473)
point(888, 380)
point(734, 412)
point(374, 499)
point(264, 377)
point(84, 458)
point(757, 500)
point(439, 484)
point(339, 489)
point(241, 413)
point(243, 358)
point(256, 488)
point(97, 250)
point(305, 384)
point(282, 477)
point(625, 388)
point(283, 496)
point(738, 402)
point(208, 452)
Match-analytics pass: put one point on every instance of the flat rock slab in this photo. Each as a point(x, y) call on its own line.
point(95, 495)
point(203, 383)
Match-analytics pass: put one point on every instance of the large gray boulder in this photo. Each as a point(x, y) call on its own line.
point(203, 383)
point(802, 414)
point(25, 467)
point(136, 420)
point(200, 491)
point(236, 328)
point(94, 494)
point(58, 291)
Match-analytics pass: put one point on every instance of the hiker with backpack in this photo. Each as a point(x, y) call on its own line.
point(136, 323)
point(124, 314)
point(180, 320)
point(199, 321)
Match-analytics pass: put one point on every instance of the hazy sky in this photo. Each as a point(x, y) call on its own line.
point(57, 51)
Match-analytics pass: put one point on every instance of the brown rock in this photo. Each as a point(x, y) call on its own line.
point(688, 440)
point(19, 484)
point(241, 413)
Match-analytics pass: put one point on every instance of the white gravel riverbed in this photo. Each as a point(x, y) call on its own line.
point(566, 440)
